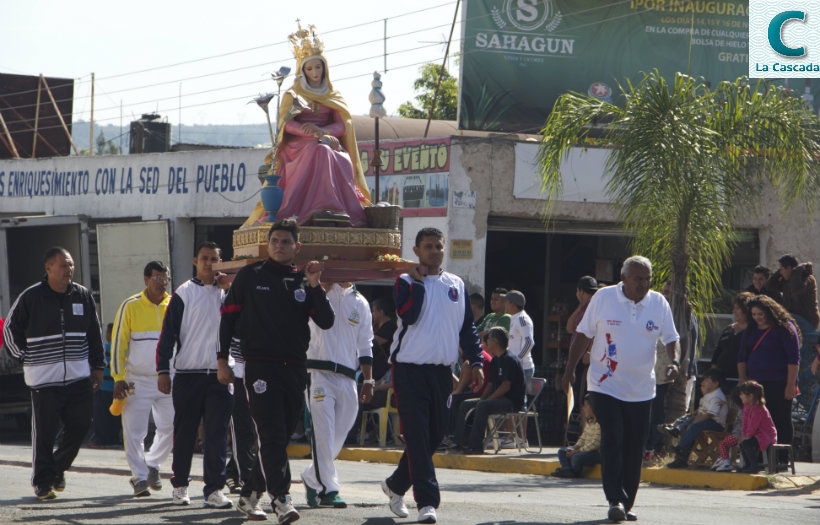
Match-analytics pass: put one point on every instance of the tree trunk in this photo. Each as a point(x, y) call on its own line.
point(676, 396)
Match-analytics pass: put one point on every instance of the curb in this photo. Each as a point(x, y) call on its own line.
point(538, 466)
point(543, 467)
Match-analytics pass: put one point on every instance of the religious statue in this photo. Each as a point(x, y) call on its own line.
point(315, 150)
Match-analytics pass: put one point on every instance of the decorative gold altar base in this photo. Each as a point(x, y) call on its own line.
point(347, 254)
point(353, 244)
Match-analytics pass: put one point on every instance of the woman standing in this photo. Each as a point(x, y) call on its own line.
point(728, 346)
point(770, 354)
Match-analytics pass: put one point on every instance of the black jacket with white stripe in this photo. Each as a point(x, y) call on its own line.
point(56, 335)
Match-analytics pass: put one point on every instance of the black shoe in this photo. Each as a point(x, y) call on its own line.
point(447, 444)
point(59, 485)
point(564, 473)
point(472, 451)
point(44, 493)
point(631, 516)
point(678, 462)
point(616, 513)
point(672, 430)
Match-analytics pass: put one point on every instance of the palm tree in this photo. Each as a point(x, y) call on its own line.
point(686, 160)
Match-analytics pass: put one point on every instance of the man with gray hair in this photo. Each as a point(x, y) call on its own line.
point(623, 321)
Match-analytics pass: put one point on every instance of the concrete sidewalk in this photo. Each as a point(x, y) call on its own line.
point(508, 461)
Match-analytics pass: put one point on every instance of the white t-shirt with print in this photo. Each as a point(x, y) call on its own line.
point(522, 339)
point(622, 361)
point(714, 403)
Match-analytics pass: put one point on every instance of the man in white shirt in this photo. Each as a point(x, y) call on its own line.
point(522, 340)
point(189, 342)
point(522, 332)
point(435, 318)
point(332, 359)
point(624, 322)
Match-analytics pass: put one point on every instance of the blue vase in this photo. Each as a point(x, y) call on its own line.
point(271, 196)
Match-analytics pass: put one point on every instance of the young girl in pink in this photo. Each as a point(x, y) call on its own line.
point(758, 428)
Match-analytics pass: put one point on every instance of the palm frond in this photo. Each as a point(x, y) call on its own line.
point(686, 159)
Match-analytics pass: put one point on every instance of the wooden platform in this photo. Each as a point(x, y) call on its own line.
point(336, 271)
point(361, 244)
point(348, 254)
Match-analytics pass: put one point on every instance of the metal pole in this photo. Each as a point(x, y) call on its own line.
point(36, 119)
point(12, 147)
point(377, 162)
point(441, 72)
point(59, 115)
point(179, 130)
point(91, 128)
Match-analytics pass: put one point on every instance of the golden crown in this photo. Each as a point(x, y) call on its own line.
point(306, 43)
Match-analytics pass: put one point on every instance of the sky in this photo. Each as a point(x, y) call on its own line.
point(201, 62)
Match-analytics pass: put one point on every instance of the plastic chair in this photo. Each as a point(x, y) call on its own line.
point(496, 423)
point(383, 415)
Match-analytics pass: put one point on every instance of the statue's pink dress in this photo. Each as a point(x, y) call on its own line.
point(314, 177)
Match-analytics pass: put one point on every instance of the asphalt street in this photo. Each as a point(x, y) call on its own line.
point(98, 494)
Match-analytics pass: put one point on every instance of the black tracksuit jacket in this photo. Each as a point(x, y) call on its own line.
point(56, 335)
point(274, 303)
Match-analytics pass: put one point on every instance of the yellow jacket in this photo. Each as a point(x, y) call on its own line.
point(135, 336)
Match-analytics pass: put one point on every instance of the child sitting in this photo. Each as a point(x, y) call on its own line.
point(711, 415)
point(758, 428)
point(586, 451)
point(724, 462)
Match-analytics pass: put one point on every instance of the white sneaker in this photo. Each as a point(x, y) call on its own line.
point(251, 508)
point(427, 515)
point(726, 466)
point(718, 462)
point(397, 502)
point(181, 496)
point(218, 500)
point(285, 509)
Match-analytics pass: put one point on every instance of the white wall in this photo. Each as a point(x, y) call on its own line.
point(219, 183)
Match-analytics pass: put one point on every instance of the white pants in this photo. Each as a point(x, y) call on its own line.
point(333, 402)
point(147, 398)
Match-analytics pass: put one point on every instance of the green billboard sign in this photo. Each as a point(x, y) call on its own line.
point(519, 56)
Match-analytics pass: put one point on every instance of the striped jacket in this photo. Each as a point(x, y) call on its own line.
point(135, 336)
point(56, 335)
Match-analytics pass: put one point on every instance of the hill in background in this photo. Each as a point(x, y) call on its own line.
point(236, 135)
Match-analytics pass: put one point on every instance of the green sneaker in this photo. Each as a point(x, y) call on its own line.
point(312, 496)
point(332, 499)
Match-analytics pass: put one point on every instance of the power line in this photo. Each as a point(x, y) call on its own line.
point(219, 101)
point(253, 66)
point(239, 51)
point(232, 86)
